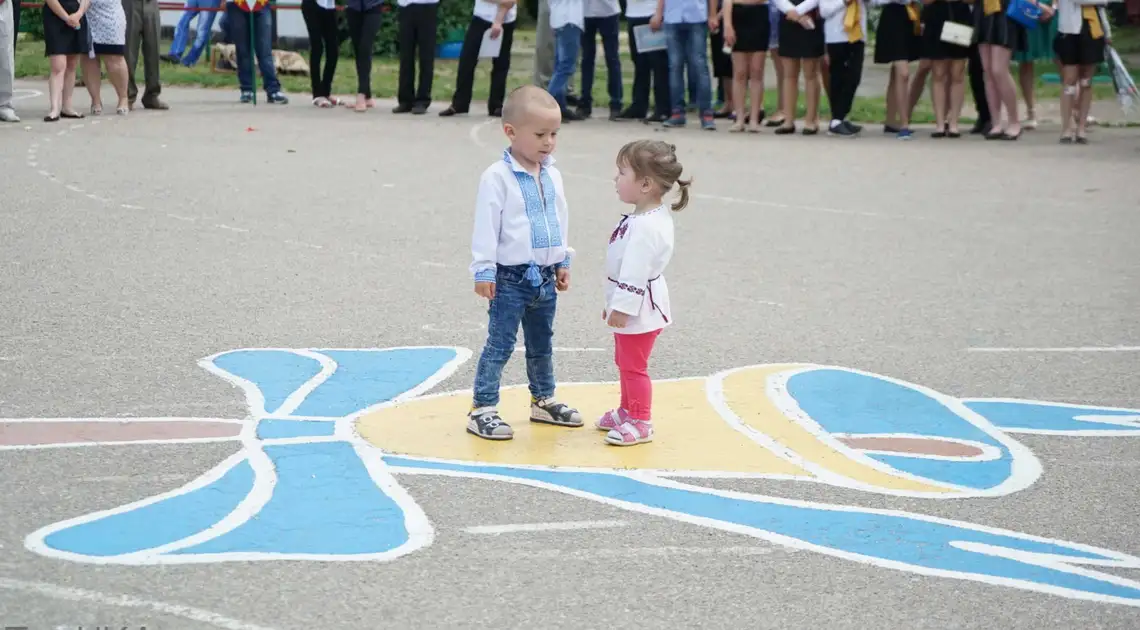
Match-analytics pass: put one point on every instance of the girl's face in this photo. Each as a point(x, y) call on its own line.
point(630, 188)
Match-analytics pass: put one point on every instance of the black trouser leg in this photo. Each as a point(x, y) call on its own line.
point(978, 85)
point(406, 40)
point(642, 68)
point(500, 68)
point(846, 72)
point(426, 18)
point(362, 28)
point(589, 60)
point(468, 59)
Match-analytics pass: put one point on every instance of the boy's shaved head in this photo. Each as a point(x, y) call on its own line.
point(522, 100)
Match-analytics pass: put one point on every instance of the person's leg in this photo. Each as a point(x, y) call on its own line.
point(1006, 88)
point(543, 46)
point(426, 21)
point(609, 28)
point(500, 69)
point(1070, 76)
point(918, 84)
point(538, 339)
point(181, 32)
point(8, 35)
point(311, 13)
point(957, 93)
point(940, 70)
point(838, 55)
point(1027, 78)
point(740, 70)
point(117, 75)
point(66, 106)
point(406, 82)
point(93, 82)
point(993, 98)
point(55, 84)
point(369, 28)
point(698, 62)
point(659, 65)
point(633, 352)
point(205, 31)
point(675, 46)
point(812, 88)
point(567, 41)
point(264, 32)
point(239, 30)
point(756, 66)
point(151, 30)
point(977, 78)
point(355, 20)
point(791, 91)
point(134, 13)
point(778, 65)
point(589, 45)
point(900, 70)
point(330, 35)
point(504, 315)
point(468, 60)
point(639, 97)
point(1086, 74)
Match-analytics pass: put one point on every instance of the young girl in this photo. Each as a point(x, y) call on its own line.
point(637, 298)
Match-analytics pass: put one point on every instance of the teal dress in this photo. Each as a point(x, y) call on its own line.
point(1038, 41)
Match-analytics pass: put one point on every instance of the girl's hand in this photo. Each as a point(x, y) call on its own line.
point(618, 319)
point(729, 35)
point(73, 20)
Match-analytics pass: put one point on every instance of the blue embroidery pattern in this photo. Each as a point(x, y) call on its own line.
point(541, 209)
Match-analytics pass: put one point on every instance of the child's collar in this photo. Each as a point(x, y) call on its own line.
point(515, 166)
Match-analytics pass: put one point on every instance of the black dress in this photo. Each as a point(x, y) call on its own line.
point(997, 29)
point(752, 27)
point(895, 39)
point(797, 42)
point(61, 39)
point(936, 14)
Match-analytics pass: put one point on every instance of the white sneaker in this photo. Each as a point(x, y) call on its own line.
point(7, 114)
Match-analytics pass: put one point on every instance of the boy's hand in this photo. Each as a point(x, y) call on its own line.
point(485, 290)
point(562, 279)
point(618, 319)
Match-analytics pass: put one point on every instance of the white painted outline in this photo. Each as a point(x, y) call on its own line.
point(520, 528)
point(418, 527)
point(68, 593)
point(1057, 563)
point(1057, 349)
point(1025, 468)
point(23, 94)
point(1130, 425)
point(988, 452)
point(203, 440)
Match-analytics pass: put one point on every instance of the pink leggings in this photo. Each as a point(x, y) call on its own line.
point(631, 353)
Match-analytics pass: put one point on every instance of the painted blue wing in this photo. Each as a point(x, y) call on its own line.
point(1031, 416)
point(892, 539)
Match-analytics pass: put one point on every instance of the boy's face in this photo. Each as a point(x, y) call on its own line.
point(536, 135)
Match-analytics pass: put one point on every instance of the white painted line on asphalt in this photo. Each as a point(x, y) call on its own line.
point(752, 301)
point(542, 527)
point(230, 227)
point(181, 218)
point(67, 593)
point(1059, 349)
point(641, 552)
point(128, 206)
point(122, 478)
point(557, 349)
point(24, 94)
point(300, 244)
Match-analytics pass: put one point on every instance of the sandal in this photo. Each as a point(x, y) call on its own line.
point(631, 433)
point(736, 127)
point(612, 419)
point(122, 111)
point(71, 115)
point(96, 110)
point(51, 118)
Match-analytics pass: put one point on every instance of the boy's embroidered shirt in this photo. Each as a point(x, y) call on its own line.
point(835, 17)
point(640, 248)
point(519, 219)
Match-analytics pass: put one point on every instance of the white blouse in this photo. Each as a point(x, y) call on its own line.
point(834, 14)
point(1069, 17)
point(519, 220)
point(640, 248)
point(486, 10)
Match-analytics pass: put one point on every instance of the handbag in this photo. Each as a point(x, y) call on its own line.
point(957, 34)
point(1024, 13)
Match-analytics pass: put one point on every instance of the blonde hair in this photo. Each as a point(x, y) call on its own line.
point(522, 99)
point(657, 161)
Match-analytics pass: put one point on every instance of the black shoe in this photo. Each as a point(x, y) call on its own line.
point(570, 116)
point(853, 127)
point(842, 130)
point(496, 113)
point(572, 100)
point(628, 114)
point(419, 109)
point(450, 111)
point(657, 118)
point(784, 130)
point(401, 109)
point(615, 115)
point(981, 128)
point(891, 129)
point(583, 112)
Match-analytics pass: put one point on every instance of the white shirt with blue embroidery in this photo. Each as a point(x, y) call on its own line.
point(519, 220)
point(641, 246)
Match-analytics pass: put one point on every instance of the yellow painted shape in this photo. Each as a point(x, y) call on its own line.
point(690, 434)
point(745, 392)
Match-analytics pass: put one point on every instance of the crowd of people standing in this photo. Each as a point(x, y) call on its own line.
point(821, 41)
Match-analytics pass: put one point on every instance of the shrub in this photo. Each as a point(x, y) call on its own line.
point(32, 23)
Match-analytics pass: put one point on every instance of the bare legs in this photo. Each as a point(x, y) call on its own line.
point(756, 67)
point(747, 81)
point(812, 87)
point(1028, 80)
point(778, 64)
point(941, 71)
point(917, 85)
point(117, 73)
point(61, 84)
point(93, 82)
point(898, 94)
point(957, 93)
point(1001, 93)
point(1076, 99)
point(791, 96)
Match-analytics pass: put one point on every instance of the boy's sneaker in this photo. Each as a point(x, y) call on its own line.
point(631, 432)
point(904, 134)
point(676, 120)
point(853, 127)
point(486, 423)
point(841, 129)
point(247, 96)
point(550, 411)
point(612, 419)
point(277, 98)
point(708, 123)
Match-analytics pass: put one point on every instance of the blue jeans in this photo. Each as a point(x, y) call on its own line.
point(608, 28)
point(567, 41)
point(516, 302)
point(263, 32)
point(182, 31)
point(688, 45)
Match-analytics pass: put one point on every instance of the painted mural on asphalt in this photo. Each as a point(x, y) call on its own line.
point(328, 433)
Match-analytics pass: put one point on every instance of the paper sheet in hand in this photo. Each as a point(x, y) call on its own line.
point(647, 40)
point(490, 47)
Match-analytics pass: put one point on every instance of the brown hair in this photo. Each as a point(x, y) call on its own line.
point(657, 161)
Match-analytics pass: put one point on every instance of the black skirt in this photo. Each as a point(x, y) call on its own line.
point(936, 14)
point(61, 39)
point(1080, 49)
point(750, 23)
point(797, 42)
point(895, 40)
point(997, 29)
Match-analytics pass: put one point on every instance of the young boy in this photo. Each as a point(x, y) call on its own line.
point(520, 258)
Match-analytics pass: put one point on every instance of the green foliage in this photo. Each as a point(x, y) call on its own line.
point(32, 24)
point(454, 16)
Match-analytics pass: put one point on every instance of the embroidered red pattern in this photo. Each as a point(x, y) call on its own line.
point(632, 289)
